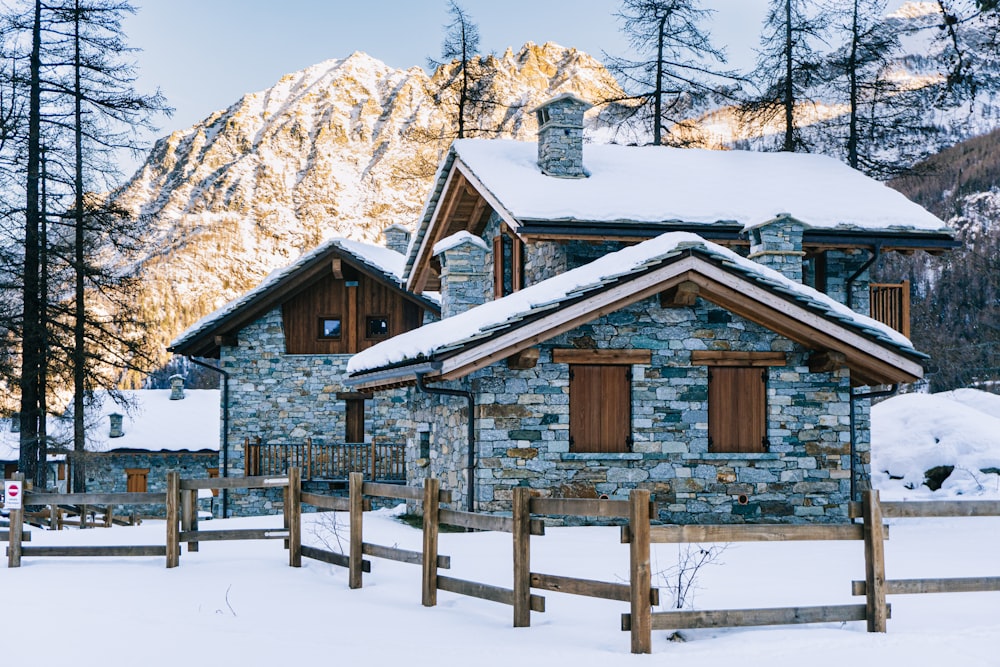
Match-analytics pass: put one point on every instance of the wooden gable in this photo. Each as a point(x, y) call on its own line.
point(354, 299)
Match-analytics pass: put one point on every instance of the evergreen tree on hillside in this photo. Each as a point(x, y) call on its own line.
point(678, 66)
point(788, 66)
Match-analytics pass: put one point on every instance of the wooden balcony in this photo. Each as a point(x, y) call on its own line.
point(890, 305)
point(381, 462)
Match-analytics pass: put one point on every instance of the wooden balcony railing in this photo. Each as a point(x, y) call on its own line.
point(334, 461)
point(890, 305)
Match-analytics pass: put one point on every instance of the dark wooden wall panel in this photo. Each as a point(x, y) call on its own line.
point(331, 297)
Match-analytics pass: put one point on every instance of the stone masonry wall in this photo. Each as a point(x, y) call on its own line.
point(522, 427)
point(106, 473)
point(284, 398)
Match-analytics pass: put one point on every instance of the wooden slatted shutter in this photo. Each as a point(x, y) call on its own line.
point(136, 480)
point(354, 421)
point(600, 408)
point(498, 266)
point(737, 409)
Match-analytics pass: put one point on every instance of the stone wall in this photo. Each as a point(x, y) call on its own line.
point(283, 398)
point(522, 427)
point(105, 473)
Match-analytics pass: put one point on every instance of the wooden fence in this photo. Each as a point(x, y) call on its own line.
point(180, 500)
point(638, 532)
point(334, 461)
point(890, 305)
point(947, 508)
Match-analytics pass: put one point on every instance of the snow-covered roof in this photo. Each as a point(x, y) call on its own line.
point(151, 422)
point(488, 319)
point(650, 184)
point(378, 259)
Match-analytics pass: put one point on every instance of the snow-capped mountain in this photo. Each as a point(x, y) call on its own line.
point(343, 148)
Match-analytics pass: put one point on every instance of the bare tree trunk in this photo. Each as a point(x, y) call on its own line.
point(79, 325)
point(658, 99)
point(30, 335)
point(789, 87)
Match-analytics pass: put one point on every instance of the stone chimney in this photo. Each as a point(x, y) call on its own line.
point(116, 425)
point(560, 136)
point(463, 272)
point(176, 387)
point(397, 237)
point(777, 244)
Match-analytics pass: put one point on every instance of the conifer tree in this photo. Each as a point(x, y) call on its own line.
point(678, 68)
point(788, 65)
point(461, 48)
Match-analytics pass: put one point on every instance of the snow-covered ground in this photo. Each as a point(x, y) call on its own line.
point(239, 603)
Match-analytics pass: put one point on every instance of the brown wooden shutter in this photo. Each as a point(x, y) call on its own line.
point(600, 408)
point(517, 265)
point(136, 482)
point(737, 409)
point(354, 421)
point(498, 266)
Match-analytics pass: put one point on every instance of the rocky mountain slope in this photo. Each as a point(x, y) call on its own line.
point(343, 148)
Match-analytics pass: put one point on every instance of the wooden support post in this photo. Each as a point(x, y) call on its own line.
point(373, 461)
point(356, 481)
point(173, 534)
point(83, 516)
point(16, 527)
point(874, 562)
point(432, 487)
point(53, 518)
point(189, 510)
point(639, 572)
point(522, 557)
point(295, 517)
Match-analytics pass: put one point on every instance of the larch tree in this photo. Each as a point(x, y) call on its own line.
point(788, 65)
point(460, 48)
point(884, 111)
point(678, 66)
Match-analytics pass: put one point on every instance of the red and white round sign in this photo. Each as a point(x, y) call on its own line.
point(12, 494)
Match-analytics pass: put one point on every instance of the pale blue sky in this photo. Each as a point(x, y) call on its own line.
point(205, 54)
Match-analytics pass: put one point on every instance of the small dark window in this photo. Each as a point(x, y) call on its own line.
point(377, 326)
point(425, 444)
point(542, 116)
point(329, 327)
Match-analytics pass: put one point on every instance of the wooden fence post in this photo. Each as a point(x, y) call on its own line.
point(639, 572)
point(874, 562)
point(189, 508)
point(432, 489)
point(357, 480)
point(173, 534)
point(16, 526)
point(522, 557)
point(295, 517)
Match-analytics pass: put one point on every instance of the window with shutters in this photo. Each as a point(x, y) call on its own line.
point(600, 408)
point(136, 480)
point(737, 409)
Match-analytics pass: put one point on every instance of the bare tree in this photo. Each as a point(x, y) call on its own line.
point(788, 65)
point(461, 49)
point(679, 69)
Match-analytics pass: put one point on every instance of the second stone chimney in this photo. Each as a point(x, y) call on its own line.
point(560, 136)
point(463, 272)
point(116, 425)
point(176, 387)
point(777, 244)
point(397, 237)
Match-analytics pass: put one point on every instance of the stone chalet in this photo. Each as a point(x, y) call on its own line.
point(698, 323)
point(131, 446)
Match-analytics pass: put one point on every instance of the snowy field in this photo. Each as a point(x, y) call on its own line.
point(238, 603)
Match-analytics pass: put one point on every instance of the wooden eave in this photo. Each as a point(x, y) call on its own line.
point(465, 204)
point(205, 345)
point(871, 362)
